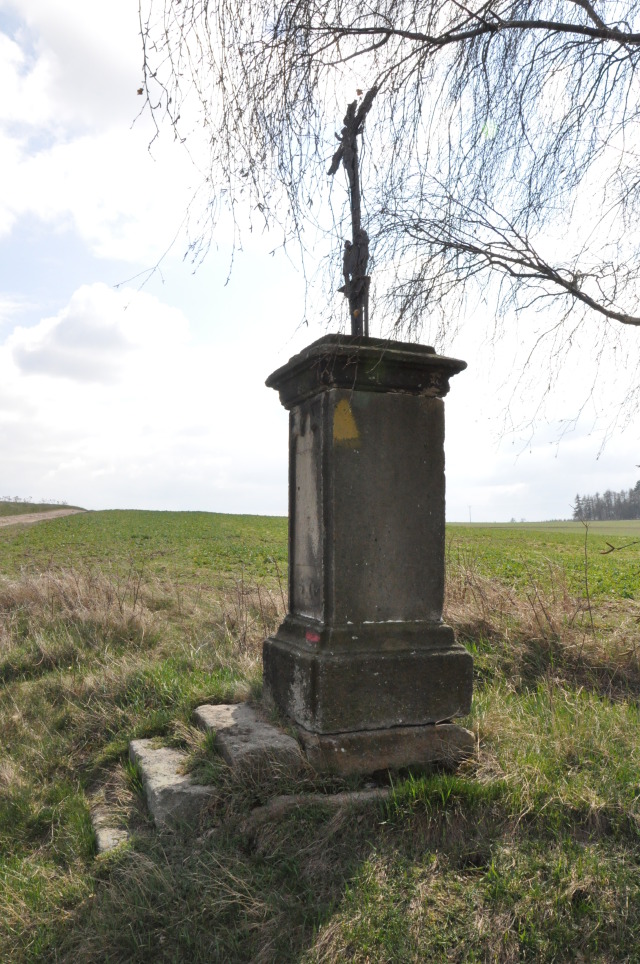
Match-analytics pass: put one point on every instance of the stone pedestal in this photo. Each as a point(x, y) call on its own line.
point(363, 649)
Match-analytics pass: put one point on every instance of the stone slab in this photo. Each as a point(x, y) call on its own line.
point(172, 797)
point(394, 748)
point(108, 837)
point(248, 742)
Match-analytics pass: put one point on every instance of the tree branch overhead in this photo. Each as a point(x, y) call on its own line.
point(505, 135)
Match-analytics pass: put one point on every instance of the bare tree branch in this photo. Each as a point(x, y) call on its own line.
point(591, 12)
point(490, 27)
point(502, 129)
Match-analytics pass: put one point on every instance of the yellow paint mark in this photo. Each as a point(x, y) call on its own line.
point(344, 424)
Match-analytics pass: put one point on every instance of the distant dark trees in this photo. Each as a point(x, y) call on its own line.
point(609, 505)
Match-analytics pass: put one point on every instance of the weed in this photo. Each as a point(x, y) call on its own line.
point(133, 775)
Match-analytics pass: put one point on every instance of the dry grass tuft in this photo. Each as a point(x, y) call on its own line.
point(545, 630)
point(80, 597)
point(250, 613)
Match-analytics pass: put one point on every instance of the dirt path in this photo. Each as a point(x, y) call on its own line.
point(29, 517)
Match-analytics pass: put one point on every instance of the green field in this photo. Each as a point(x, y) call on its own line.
point(202, 546)
point(116, 625)
point(175, 545)
point(556, 550)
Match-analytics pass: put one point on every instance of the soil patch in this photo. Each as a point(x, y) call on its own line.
point(30, 517)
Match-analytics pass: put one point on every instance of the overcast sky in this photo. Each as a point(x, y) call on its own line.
point(117, 395)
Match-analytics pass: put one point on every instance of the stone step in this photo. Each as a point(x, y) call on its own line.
point(172, 796)
point(108, 836)
point(260, 752)
point(246, 740)
point(249, 744)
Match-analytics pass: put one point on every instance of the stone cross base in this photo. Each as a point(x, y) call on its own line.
point(363, 664)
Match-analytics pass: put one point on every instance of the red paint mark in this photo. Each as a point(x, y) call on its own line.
point(312, 637)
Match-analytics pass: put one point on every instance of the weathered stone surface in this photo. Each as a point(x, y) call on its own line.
point(172, 797)
point(363, 364)
point(248, 742)
point(332, 692)
point(108, 837)
point(365, 752)
point(367, 509)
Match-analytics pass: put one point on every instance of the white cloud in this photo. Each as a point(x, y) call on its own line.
point(70, 153)
point(73, 154)
point(108, 188)
point(9, 307)
point(111, 403)
point(76, 64)
point(85, 342)
point(24, 86)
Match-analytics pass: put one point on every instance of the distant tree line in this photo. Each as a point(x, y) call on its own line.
point(609, 505)
point(29, 498)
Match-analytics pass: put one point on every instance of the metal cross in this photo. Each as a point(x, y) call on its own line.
point(356, 251)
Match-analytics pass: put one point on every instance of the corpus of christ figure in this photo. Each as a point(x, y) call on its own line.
point(356, 251)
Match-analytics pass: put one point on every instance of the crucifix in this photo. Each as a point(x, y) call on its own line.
point(356, 251)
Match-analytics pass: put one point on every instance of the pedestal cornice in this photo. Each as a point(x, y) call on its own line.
point(363, 364)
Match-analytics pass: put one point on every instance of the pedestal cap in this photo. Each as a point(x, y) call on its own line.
point(364, 364)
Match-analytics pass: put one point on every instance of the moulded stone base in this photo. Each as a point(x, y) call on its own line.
point(342, 692)
point(367, 751)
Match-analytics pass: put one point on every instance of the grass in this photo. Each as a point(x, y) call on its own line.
point(116, 625)
point(195, 547)
point(516, 553)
